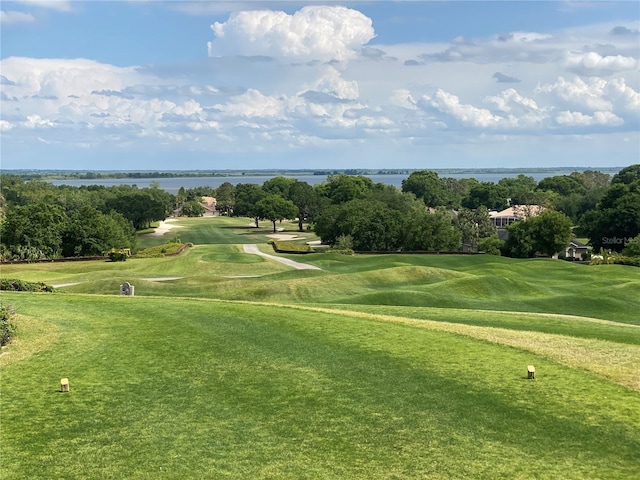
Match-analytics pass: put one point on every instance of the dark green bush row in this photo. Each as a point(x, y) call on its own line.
point(22, 286)
point(281, 246)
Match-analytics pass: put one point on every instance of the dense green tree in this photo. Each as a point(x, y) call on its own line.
point(616, 218)
point(36, 227)
point(562, 184)
point(426, 185)
point(192, 209)
point(487, 194)
point(592, 179)
point(627, 175)
point(430, 231)
point(474, 225)
point(552, 232)
point(547, 234)
point(632, 247)
point(225, 198)
point(247, 196)
point(458, 189)
point(519, 189)
point(342, 188)
point(275, 208)
point(305, 199)
point(141, 207)
point(90, 232)
point(278, 185)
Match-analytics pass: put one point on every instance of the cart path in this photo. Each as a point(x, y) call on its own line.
point(253, 249)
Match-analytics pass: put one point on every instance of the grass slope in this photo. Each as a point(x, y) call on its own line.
point(389, 366)
point(207, 389)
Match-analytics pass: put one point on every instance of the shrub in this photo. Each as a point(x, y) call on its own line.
point(14, 285)
point(171, 248)
point(490, 245)
point(7, 327)
point(117, 255)
point(289, 247)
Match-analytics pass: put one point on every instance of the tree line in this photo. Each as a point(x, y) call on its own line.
point(427, 213)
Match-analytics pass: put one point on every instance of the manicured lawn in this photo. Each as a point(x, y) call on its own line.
point(207, 389)
point(388, 366)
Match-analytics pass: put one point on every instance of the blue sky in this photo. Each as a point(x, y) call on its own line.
point(218, 85)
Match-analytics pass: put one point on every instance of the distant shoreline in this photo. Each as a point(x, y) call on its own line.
point(51, 174)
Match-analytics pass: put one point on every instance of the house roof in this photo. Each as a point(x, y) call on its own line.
point(519, 211)
point(576, 244)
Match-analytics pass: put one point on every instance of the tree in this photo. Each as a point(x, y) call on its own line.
point(547, 234)
point(36, 227)
point(192, 209)
point(225, 198)
point(519, 189)
point(342, 188)
point(141, 207)
point(279, 185)
point(474, 225)
point(562, 184)
point(426, 185)
point(552, 232)
point(616, 218)
point(487, 194)
point(275, 208)
point(247, 196)
point(304, 198)
point(90, 232)
point(632, 248)
point(627, 175)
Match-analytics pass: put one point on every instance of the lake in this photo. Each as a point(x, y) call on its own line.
point(172, 185)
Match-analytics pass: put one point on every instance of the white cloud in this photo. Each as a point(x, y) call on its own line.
point(450, 105)
point(573, 119)
point(4, 125)
point(8, 17)
point(592, 63)
point(313, 33)
point(595, 94)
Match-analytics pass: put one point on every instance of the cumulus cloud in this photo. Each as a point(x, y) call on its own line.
point(450, 105)
point(592, 63)
point(594, 94)
point(8, 17)
point(578, 119)
point(313, 33)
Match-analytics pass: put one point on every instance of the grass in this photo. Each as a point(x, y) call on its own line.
point(391, 366)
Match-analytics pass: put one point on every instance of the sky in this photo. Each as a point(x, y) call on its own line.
point(228, 85)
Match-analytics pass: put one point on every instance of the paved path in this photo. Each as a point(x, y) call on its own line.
point(252, 248)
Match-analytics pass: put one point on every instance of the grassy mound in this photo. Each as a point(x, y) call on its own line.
point(390, 366)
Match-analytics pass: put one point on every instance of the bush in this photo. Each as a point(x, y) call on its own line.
point(171, 248)
point(7, 327)
point(490, 245)
point(14, 285)
point(117, 255)
point(289, 247)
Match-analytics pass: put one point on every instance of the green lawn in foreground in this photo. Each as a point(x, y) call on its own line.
point(389, 366)
point(202, 389)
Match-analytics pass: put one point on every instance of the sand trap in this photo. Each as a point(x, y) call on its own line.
point(60, 285)
point(164, 227)
point(284, 236)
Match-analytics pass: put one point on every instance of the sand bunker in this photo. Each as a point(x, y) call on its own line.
point(164, 227)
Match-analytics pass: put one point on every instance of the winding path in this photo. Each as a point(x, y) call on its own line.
point(253, 249)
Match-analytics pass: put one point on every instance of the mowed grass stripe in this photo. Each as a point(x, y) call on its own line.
point(190, 388)
point(619, 363)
